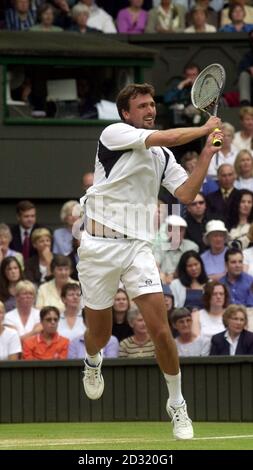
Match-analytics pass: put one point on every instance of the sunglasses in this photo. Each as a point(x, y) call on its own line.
point(197, 202)
point(51, 319)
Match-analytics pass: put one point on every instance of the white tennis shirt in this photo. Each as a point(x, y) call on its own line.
point(127, 180)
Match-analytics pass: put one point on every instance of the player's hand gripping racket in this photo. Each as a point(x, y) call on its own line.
point(206, 92)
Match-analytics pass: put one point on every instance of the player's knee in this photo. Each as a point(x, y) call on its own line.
point(162, 336)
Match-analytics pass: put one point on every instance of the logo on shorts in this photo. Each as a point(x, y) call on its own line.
point(148, 282)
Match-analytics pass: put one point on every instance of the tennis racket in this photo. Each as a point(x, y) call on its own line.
point(206, 92)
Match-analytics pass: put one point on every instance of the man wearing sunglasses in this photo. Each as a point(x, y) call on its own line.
point(196, 218)
point(48, 344)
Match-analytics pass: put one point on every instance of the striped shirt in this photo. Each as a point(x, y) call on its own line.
point(129, 348)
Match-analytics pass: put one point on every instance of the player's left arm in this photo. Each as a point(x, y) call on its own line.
point(187, 192)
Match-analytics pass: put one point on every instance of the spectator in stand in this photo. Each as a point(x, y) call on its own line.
point(10, 345)
point(63, 12)
point(140, 344)
point(187, 288)
point(49, 293)
point(169, 302)
point(235, 339)
point(71, 321)
point(166, 18)
point(80, 15)
point(38, 267)
point(212, 17)
point(5, 240)
point(20, 17)
point(98, 18)
point(21, 233)
point(120, 327)
point(225, 11)
point(73, 256)
point(47, 344)
point(216, 237)
point(248, 253)
point(46, 16)
point(239, 283)
point(178, 96)
point(219, 203)
point(132, 20)
point(208, 321)
point(63, 237)
point(243, 139)
point(196, 219)
point(237, 24)
point(244, 170)
point(24, 318)
point(187, 342)
point(77, 349)
point(189, 161)
point(245, 71)
point(198, 18)
point(226, 154)
point(87, 180)
point(10, 274)
point(241, 217)
point(169, 246)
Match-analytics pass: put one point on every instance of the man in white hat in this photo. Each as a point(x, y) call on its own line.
point(215, 237)
point(170, 245)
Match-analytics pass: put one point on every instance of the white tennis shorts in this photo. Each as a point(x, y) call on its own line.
point(103, 262)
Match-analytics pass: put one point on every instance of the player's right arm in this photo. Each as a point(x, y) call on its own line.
point(180, 136)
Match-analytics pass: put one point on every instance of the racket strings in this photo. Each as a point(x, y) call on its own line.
point(208, 87)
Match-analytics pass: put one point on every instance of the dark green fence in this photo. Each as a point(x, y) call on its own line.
point(216, 389)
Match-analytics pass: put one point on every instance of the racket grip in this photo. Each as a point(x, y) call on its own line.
point(217, 142)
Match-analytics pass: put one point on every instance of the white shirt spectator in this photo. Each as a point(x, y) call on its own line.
point(9, 343)
point(199, 347)
point(76, 330)
point(101, 20)
point(12, 318)
point(218, 160)
point(210, 325)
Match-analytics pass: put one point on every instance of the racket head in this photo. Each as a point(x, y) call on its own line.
point(208, 86)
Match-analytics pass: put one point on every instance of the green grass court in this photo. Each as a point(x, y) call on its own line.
point(124, 436)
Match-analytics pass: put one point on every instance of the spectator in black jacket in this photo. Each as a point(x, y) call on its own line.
point(235, 339)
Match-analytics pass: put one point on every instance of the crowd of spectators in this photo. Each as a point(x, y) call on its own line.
point(127, 16)
point(206, 275)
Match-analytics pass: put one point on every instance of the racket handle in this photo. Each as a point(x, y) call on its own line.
point(217, 142)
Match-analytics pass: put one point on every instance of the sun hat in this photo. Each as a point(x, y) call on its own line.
point(214, 226)
point(175, 221)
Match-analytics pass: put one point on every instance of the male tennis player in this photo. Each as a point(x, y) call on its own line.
point(130, 166)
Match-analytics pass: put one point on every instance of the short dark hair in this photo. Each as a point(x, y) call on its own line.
point(23, 206)
point(68, 287)
point(45, 310)
point(61, 260)
point(231, 252)
point(131, 91)
point(179, 313)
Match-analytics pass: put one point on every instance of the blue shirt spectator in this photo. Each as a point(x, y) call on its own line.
point(77, 348)
point(239, 284)
point(21, 17)
point(240, 289)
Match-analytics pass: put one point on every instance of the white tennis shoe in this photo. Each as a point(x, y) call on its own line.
point(93, 381)
point(182, 424)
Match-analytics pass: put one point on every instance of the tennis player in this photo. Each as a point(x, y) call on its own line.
point(132, 161)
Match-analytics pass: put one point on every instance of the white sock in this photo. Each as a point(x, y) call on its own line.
point(174, 387)
point(93, 360)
